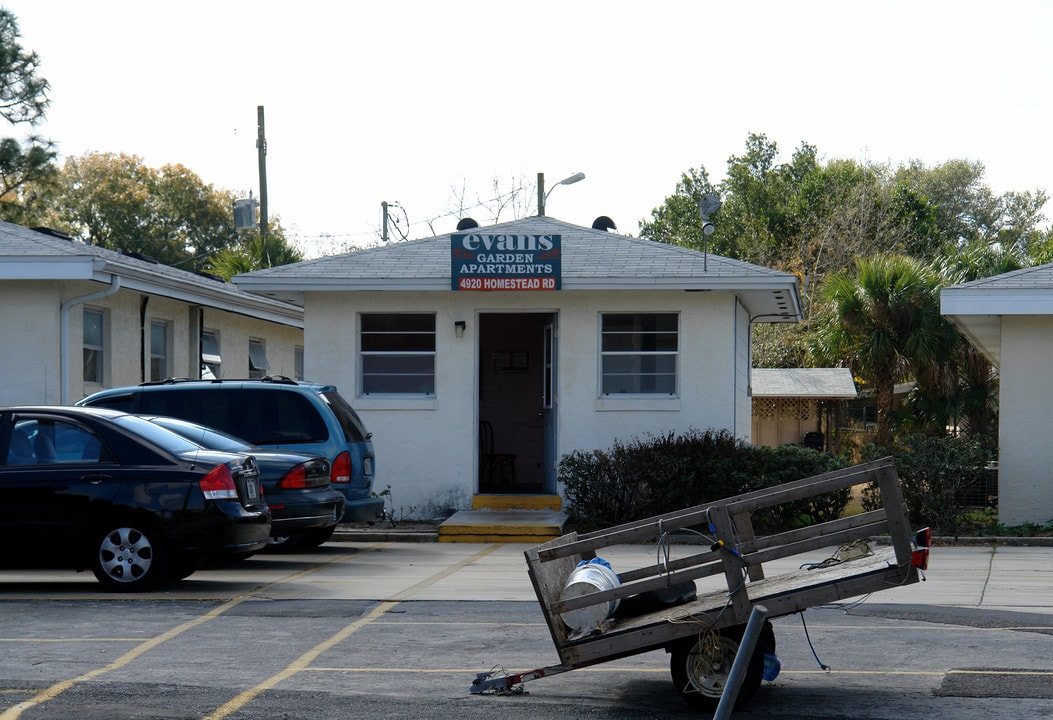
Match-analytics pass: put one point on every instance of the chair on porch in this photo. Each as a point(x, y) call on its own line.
point(499, 468)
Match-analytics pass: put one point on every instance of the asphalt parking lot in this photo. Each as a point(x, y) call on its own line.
point(394, 630)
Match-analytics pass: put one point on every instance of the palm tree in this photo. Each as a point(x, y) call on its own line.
point(256, 253)
point(959, 386)
point(882, 321)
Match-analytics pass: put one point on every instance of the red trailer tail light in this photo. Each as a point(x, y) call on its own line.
point(920, 555)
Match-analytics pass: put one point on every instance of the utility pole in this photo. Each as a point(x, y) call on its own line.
point(261, 147)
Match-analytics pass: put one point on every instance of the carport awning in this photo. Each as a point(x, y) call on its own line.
point(818, 383)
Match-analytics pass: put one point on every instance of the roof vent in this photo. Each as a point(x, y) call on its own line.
point(604, 223)
point(466, 224)
point(140, 256)
point(53, 233)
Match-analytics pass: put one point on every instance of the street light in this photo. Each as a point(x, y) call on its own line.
point(542, 196)
point(708, 205)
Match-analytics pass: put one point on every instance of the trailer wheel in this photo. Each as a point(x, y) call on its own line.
point(700, 665)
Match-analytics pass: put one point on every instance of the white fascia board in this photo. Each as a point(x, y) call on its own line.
point(201, 294)
point(48, 268)
point(1015, 301)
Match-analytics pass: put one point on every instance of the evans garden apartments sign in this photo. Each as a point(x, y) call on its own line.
point(480, 261)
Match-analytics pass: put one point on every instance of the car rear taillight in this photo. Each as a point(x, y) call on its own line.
point(295, 479)
point(219, 484)
point(341, 472)
point(920, 555)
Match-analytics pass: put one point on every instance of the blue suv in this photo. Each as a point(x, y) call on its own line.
point(275, 413)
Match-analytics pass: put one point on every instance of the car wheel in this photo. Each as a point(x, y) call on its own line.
point(314, 538)
point(282, 543)
point(700, 667)
point(128, 557)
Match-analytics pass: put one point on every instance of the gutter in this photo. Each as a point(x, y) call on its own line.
point(64, 348)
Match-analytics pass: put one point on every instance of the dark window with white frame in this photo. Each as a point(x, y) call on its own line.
point(639, 353)
point(94, 341)
point(397, 352)
point(211, 357)
point(258, 365)
point(159, 354)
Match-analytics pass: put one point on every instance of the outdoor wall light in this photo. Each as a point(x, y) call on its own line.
point(458, 328)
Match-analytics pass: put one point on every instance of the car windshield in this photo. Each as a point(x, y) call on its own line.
point(155, 434)
point(204, 436)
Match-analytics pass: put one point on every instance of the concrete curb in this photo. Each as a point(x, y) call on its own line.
point(426, 532)
point(408, 533)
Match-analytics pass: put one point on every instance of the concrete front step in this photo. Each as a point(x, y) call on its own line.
point(510, 526)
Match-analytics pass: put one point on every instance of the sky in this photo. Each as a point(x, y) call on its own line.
point(415, 103)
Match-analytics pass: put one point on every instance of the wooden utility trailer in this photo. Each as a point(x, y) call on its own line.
point(702, 634)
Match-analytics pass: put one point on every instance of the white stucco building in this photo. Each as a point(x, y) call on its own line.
point(1009, 318)
point(546, 337)
point(78, 318)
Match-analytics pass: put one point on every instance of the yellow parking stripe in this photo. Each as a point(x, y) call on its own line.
point(303, 662)
point(52, 692)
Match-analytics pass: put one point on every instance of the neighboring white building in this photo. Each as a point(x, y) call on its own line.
point(78, 318)
point(1009, 318)
point(631, 337)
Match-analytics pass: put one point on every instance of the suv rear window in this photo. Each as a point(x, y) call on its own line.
point(350, 423)
point(261, 417)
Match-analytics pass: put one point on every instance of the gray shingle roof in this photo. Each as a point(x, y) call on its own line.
point(27, 254)
point(591, 260)
point(976, 308)
point(1039, 277)
point(803, 382)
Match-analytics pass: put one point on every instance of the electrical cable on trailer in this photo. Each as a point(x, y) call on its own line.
point(811, 647)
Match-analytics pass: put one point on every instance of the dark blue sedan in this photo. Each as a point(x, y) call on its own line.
point(304, 508)
point(94, 488)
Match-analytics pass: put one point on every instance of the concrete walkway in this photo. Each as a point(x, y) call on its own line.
point(985, 577)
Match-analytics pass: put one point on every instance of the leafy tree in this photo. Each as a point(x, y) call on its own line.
point(169, 214)
point(23, 100)
point(760, 202)
point(757, 221)
point(677, 220)
point(882, 320)
point(815, 218)
point(960, 208)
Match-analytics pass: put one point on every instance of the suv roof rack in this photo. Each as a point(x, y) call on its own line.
point(277, 379)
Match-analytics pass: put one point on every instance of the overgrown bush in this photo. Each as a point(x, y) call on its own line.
point(936, 475)
point(660, 474)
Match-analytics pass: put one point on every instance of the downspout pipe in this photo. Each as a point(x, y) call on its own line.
point(64, 343)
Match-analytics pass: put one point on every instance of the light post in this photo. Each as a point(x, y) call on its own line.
point(542, 196)
point(707, 206)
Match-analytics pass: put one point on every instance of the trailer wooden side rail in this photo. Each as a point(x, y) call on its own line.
point(738, 554)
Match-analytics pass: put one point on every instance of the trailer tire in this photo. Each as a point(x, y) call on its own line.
point(700, 665)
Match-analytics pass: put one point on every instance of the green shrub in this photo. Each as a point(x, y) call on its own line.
point(936, 474)
point(660, 474)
